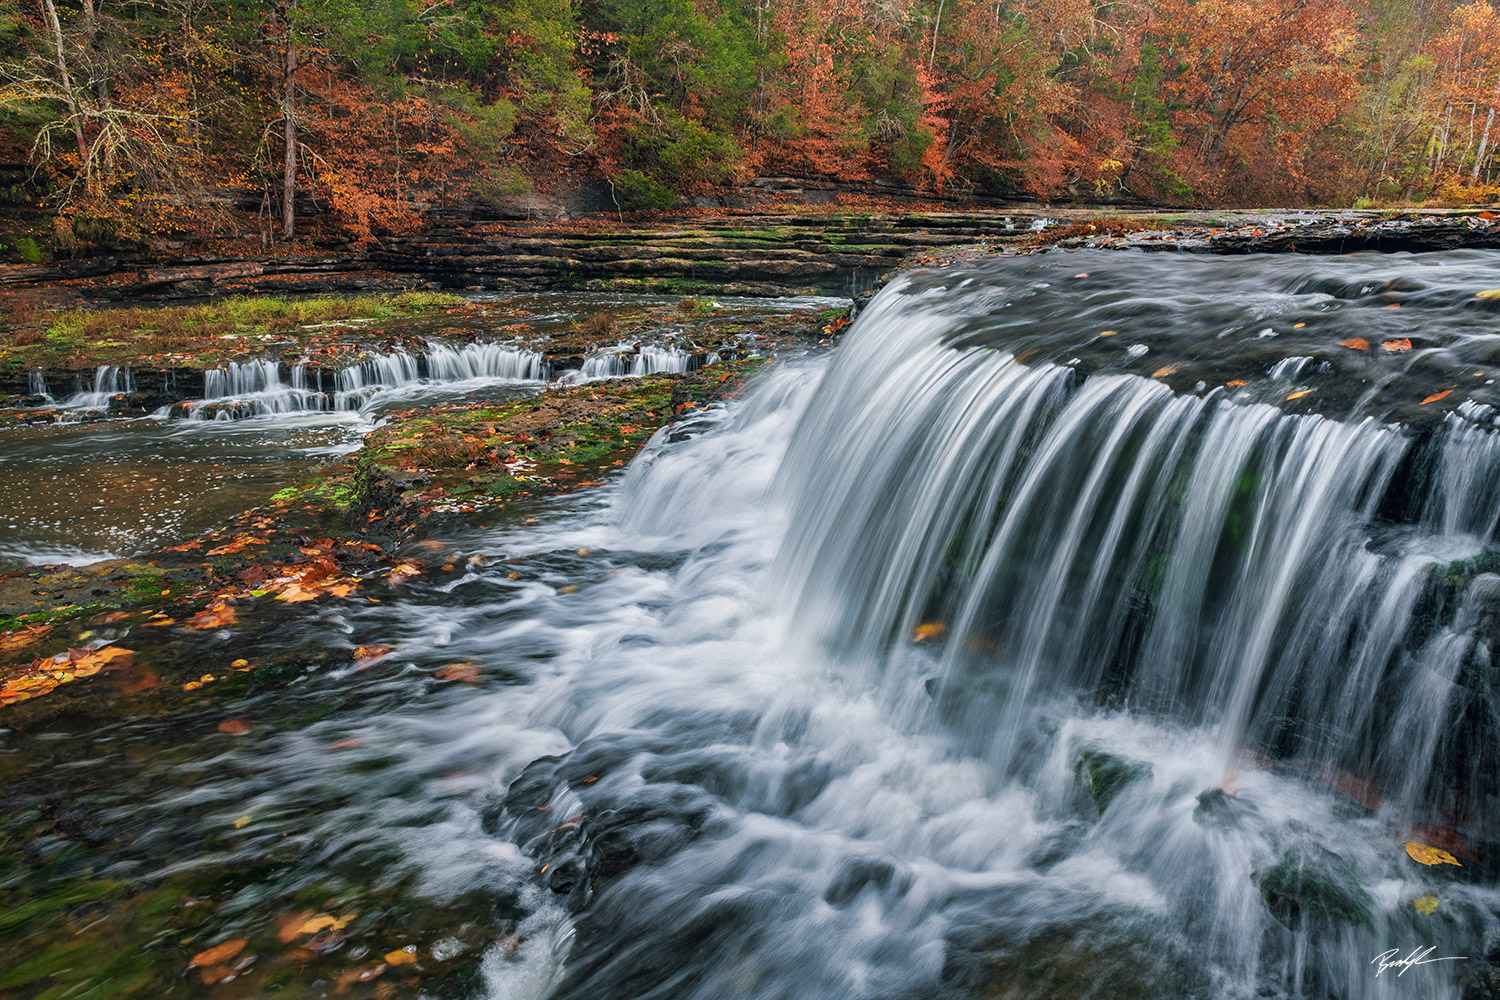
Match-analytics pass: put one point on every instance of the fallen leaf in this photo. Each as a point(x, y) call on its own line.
point(215, 617)
point(1234, 384)
point(343, 744)
point(1394, 346)
point(1425, 904)
point(1426, 854)
point(1164, 371)
point(218, 953)
point(404, 572)
point(1299, 394)
point(1435, 397)
point(1488, 293)
point(1108, 333)
point(402, 956)
point(928, 630)
point(366, 655)
point(1355, 344)
point(322, 922)
point(116, 616)
point(21, 638)
point(234, 727)
point(1298, 326)
point(466, 672)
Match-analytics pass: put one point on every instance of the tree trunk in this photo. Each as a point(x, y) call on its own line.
point(289, 166)
point(53, 24)
point(936, 26)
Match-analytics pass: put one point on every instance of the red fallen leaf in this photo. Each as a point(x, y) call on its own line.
point(363, 656)
point(1394, 346)
point(116, 616)
point(1355, 344)
point(234, 727)
point(1346, 784)
point(218, 953)
point(1435, 397)
point(215, 617)
point(131, 679)
point(466, 672)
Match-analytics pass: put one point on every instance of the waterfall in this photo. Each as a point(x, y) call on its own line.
point(1069, 575)
point(36, 384)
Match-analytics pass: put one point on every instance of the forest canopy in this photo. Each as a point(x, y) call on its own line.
point(136, 117)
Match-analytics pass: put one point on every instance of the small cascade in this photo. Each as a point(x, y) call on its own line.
point(473, 361)
point(626, 360)
point(36, 384)
point(256, 388)
point(108, 381)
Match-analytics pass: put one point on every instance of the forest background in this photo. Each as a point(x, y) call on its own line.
point(130, 119)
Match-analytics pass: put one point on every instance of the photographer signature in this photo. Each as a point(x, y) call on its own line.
point(1387, 960)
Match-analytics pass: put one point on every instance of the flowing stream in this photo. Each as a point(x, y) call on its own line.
point(968, 660)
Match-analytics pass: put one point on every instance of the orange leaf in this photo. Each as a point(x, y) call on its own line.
point(1234, 384)
point(234, 727)
point(401, 956)
point(1355, 344)
point(214, 617)
point(466, 672)
point(218, 953)
point(1299, 394)
point(366, 655)
point(1426, 854)
point(1164, 371)
point(1402, 344)
point(928, 630)
point(1435, 397)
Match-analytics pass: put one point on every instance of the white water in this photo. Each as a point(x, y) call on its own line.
point(625, 360)
point(257, 389)
point(1211, 595)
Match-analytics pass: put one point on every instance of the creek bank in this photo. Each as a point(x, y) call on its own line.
point(161, 357)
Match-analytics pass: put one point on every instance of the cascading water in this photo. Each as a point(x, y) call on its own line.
point(255, 388)
point(108, 381)
point(627, 360)
point(984, 657)
point(1074, 686)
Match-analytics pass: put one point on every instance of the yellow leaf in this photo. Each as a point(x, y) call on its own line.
point(1108, 333)
point(1425, 904)
point(242, 822)
point(1426, 854)
point(1488, 293)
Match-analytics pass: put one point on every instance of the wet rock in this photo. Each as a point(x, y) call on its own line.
point(1104, 776)
point(1313, 883)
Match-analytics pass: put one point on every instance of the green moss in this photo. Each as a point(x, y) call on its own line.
point(1106, 775)
point(1317, 883)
